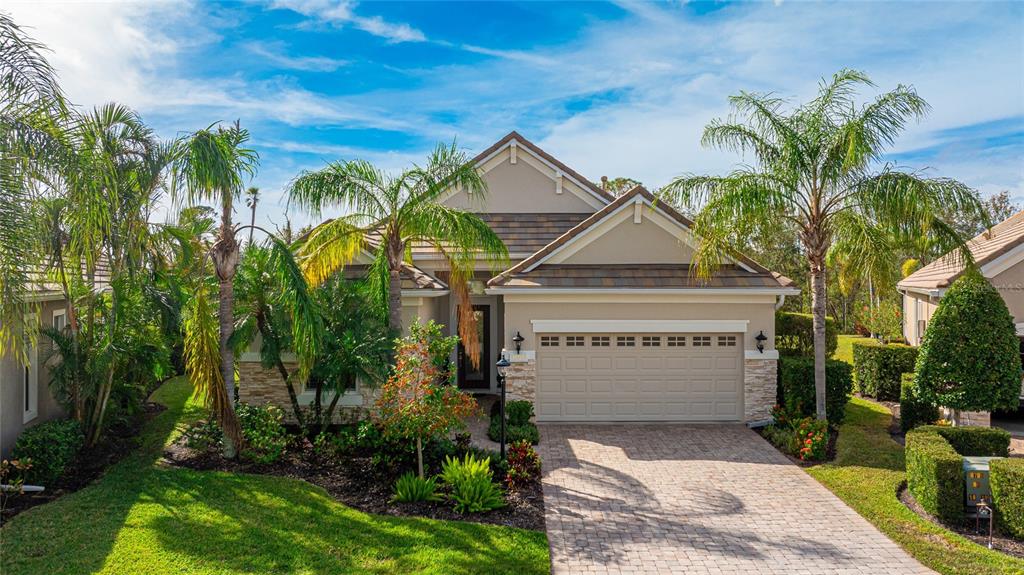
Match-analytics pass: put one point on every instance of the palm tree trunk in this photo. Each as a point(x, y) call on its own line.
point(395, 302)
point(225, 257)
point(252, 222)
point(227, 356)
point(818, 314)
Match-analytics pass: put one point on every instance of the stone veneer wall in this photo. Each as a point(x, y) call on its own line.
point(258, 386)
point(521, 379)
point(760, 383)
point(968, 418)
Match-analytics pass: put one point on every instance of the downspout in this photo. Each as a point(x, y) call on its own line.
point(778, 304)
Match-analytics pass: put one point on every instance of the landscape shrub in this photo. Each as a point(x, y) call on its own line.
point(523, 465)
point(519, 412)
point(526, 432)
point(51, 446)
point(473, 489)
point(203, 435)
point(878, 369)
point(411, 488)
point(985, 441)
point(265, 437)
point(812, 439)
point(913, 410)
point(970, 355)
point(796, 387)
point(935, 474)
point(794, 334)
point(1006, 476)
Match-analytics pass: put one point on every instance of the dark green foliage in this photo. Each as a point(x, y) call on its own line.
point(51, 447)
point(914, 411)
point(1007, 479)
point(935, 474)
point(970, 353)
point(796, 387)
point(472, 487)
point(411, 488)
point(935, 464)
point(263, 431)
point(794, 334)
point(203, 435)
point(878, 369)
point(518, 412)
point(527, 432)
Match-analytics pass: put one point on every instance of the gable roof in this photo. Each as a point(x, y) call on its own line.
point(532, 272)
point(534, 148)
point(986, 248)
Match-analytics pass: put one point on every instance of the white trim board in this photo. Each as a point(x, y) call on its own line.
point(638, 326)
point(768, 354)
point(644, 291)
point(1003, 262)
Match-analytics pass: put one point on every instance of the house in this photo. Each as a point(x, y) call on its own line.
point(613, 324)
point(25, 395)
point(998, 253)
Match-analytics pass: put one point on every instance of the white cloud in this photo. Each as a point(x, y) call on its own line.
point(275, 53)
point(342, 13)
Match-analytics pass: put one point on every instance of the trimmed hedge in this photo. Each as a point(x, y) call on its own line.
point(913, 410)
point(525, 432)
point(794, 334)
point(935, 474)
point(935, 464)
point(1007, 479)
point(51, 446)
point(878, 369)
point(796, 387)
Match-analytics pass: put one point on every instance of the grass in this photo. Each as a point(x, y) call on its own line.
point(866, 473)
point(145, 517)
point(844, 351)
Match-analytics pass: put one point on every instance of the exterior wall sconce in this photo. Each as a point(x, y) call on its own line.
point(761, 338)
point(518, 340)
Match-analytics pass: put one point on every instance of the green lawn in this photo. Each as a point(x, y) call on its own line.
point(844, 351)
point(866, 473)
point(144, 517)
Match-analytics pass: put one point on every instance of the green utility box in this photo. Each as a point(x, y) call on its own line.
point(976, 484)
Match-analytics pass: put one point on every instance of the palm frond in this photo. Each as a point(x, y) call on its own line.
point(354, 186)
point(330, 247)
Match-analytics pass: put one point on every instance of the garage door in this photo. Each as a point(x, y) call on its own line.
point(639, 377)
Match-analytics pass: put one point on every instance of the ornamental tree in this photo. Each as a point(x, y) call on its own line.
point(419, 402)
point(969, 358)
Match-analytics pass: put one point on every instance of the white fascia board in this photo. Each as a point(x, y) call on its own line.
point(416, 293)
point(1020, 330)
point(639, 325)
point(1003, 262)
point(930, 292)
point(643, 291)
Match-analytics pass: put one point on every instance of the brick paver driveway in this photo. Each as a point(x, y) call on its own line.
point(696, 499)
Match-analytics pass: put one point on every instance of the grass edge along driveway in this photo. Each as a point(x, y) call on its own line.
point(867, 471)
point(145, 517)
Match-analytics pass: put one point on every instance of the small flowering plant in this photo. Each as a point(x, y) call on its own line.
point(812, 439)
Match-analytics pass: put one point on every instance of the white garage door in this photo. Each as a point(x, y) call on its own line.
point(639, 377)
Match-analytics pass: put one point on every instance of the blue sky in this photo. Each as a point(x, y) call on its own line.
point(618, 89)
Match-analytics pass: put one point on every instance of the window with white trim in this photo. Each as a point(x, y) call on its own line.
point(625, 341)
point(702, 341)
point(651, 341)
point(549, 341)
point(60, 319)
point(600, 340)
point(726, 341)
point(677, 341)
point(575, 341)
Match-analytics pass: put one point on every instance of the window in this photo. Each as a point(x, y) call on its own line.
point(702, 341)
point(30, 372)
point(60, 319)
point(574, 341)
point(600, 341)
point(652, 341)
point(625, 341)
point(726, 341)
point(677, 341)
point(549, 341)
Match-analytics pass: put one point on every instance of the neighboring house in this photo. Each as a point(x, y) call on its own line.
point(615, 326)
point(25, 398)
point(998, 253)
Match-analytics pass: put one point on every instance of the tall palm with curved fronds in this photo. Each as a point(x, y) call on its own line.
point(32, 114)
point(252, 199)
point(387, 214)
point(213, 164)
point(817, 167)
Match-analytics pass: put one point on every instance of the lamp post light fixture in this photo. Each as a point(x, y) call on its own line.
point(518, 340)
point(502, 365)
point(761, 338)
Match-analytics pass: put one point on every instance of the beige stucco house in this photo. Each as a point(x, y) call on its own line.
point(998, 253)
point(614, 325)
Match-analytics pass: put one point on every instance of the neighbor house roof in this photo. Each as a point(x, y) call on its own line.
point(532, 272)
point(986, 248)
point(412, 277)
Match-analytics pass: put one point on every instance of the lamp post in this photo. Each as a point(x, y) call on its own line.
point(502, 365)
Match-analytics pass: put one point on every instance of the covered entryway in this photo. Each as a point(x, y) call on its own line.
point(598, 377)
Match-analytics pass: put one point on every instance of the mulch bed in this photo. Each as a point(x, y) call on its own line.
point(1000, 542)
point(119, 440)
point(356, 483)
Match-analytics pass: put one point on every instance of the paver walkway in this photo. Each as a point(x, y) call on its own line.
point(697, 499)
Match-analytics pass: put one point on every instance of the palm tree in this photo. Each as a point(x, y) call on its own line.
point(32, 117)
point(815, 167)
point(388, 215)
point(213, 162)
point(252, 198)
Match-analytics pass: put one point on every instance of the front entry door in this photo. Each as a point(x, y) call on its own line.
point(478, 377)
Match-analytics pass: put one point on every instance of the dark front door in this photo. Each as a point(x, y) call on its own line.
point(478, 377)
